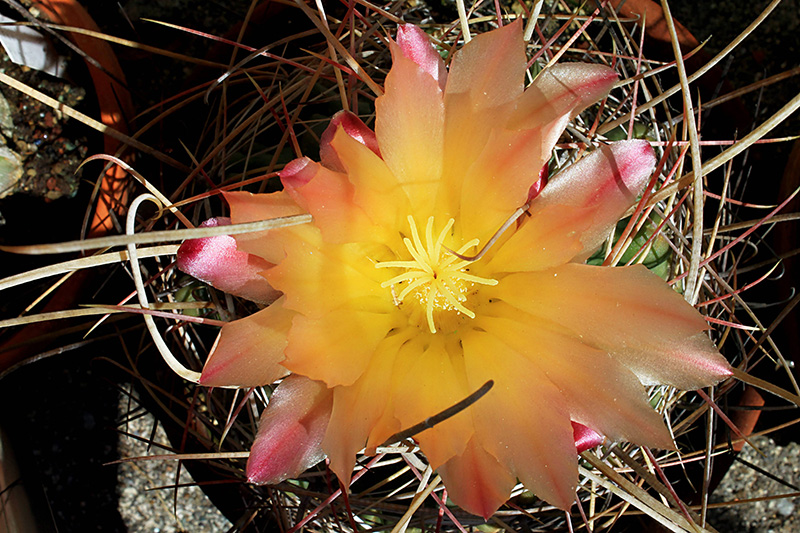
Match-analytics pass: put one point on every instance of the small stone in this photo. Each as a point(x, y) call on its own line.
point(6, 118)
point(10, 171)
point(784, 507)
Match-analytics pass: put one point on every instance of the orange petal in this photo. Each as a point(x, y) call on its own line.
point(248, 351)
point(560, 93)
point(597, 389)
point(486, 77)
point(336, 348)
point(476, 481)
point(318, 278)
point(427, 380)
point(357, 409)
point(328, 196)
point(218, 262)
point(410, 128)
point(248, 207)
point(353, 127)
point(290, 431)
point(499, 180)
point(523, 420)
point(629, 312)
point(549, 238)
point(607, 181)
point(376, 189)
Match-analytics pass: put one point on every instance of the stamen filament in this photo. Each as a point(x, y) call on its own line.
point(477, 279)
point(402, 277)
point(429, 314)
point(438, 279)
point(397, 264)
point(430, 244)
point(421, 263)
point(448, 295)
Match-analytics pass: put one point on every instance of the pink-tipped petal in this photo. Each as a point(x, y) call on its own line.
point(490, 69)
point(355, 128)
point(358, 409)
point(597, 390)
point(409, 125)
point(329, 197)
point(561, 92)
point(476, 481)
point(416, 46)
point(248, 351)
point(486, 77)
point(248, 207)
point(586, 438)
point(538, 185)
point(524, 423)
point(607, 181)
point(627, 311)
point(218, 262)
point(290, 431)
point(296, 174)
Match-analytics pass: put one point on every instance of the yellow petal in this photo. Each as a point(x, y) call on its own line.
point(410, 129)
point(476, 481)
point(318, 278)
point(248, 351)
point(357, 409)
point(429, 378)
point(629, 312)
point(337, 347)
point(523, 420)
point(498, 181)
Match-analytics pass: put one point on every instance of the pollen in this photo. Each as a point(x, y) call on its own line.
point(437, 277)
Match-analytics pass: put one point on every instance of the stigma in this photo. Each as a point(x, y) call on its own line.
point(437, 277)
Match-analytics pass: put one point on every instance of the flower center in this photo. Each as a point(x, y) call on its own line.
point(437, 277)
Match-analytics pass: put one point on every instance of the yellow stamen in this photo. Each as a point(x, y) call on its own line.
point(440, 281)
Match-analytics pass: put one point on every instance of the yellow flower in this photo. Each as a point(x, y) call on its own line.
point(397, 303)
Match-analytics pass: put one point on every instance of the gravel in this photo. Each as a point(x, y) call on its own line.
point(742, 482)
point(145, 506)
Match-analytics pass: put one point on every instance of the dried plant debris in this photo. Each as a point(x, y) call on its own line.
point(48, 150)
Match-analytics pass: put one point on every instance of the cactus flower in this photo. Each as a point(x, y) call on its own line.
point(401, 298)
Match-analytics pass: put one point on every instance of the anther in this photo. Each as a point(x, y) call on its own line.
point(439, 282)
